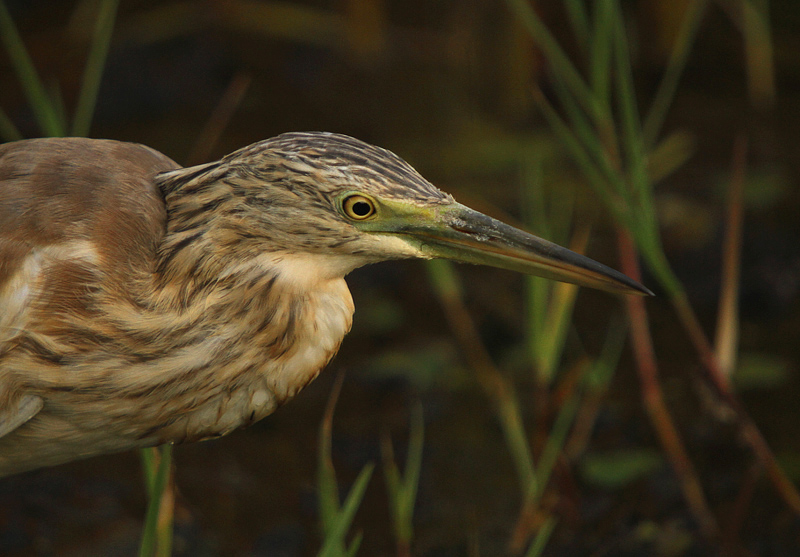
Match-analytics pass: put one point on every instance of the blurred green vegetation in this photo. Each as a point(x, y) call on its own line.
point(578, 120)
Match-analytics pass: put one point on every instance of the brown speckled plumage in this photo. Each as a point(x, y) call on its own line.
point(144, 303)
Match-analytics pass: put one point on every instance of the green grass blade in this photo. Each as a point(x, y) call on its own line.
point(677, 62)
point(354, 498)
point(556, 440)
point(557, 59)
point(327, 488)
point(444, 278)
point(603, 155)
point(559, 319)
point(8, 131)
point(414, 457)
point(352, 549)
point(549, 304)
point(148, 459)
point(726, 339)
point(334, 538)
point(41, 103)
point(394, 484)
point(653, 252)
point(537, 293)
point(644, 227)
point(328, 494)
point(157, 533)
point(759, 52)
point(603, 368)
point(636, 161)
point(517, 440)
point(532, 192)
point(542, 537)
point(576, 12)
point(57, 98)
point(600, 53)
point(87, 99)
point(335, 519)
point(584, 160)
point(537, 289)
point(403, 488)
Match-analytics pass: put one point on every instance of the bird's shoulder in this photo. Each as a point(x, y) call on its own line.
point(76, 215)
point(74, 193)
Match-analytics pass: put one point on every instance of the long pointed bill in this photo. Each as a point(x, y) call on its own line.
point(461, 234)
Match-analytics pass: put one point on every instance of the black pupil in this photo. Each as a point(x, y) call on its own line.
point(361, 208)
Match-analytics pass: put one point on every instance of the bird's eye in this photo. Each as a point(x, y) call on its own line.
point(358, 207)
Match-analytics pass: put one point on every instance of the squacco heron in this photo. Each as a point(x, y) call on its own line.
point(143, 303)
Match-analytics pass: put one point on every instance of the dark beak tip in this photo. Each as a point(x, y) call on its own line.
point(633, 287)
point(642, 290)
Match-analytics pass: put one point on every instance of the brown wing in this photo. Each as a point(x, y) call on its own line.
point(72, 211)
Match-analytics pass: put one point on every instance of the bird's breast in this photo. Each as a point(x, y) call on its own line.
point(322, 319)
point(255, 370)
point(169, 371)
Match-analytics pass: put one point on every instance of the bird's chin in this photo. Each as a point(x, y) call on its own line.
point(390, 246)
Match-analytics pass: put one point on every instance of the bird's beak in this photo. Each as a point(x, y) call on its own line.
point(459, 233)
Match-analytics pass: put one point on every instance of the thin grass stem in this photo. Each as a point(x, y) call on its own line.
point(402, 487)
point(759, 58)
point(665, 94)
point(654, 400)
point(41, 104)
point(578, 18)
point(157, 532)
point(337, 518)
point(602, 154)
point(542, 537)
point(600, 53)
point(95, 63)
point(8, 131)
point(558, 60)
point(727, 332)
point(595, 178)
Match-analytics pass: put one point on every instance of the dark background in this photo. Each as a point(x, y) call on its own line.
point(445, 84)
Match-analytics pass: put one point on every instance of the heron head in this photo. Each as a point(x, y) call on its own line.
point(334, 196)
